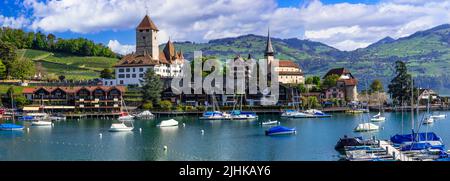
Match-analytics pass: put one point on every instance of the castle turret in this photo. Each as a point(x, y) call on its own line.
point(146, 42)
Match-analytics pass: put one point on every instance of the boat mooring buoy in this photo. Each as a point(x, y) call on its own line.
point(28, 129)
point(101, 135)
point(184, 125)
point(165, 148)
point(140, 129)
point(202, 131)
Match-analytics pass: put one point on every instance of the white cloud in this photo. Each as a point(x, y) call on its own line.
point(115, 46)
point(343, 25)
point(13, 22)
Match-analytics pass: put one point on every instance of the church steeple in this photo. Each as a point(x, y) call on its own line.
point(269, 47)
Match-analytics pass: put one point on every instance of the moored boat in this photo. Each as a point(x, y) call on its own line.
point(168, 123)
point(270, 122)
point(41, 123)
point(120, 127)
point(378, 118)
point(280, 130)
point(363, 127)
point(215, 115)
point(145, 115)
point(242, 115)
point(11, 127)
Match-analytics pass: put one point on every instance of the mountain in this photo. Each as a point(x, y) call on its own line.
point(427, 54)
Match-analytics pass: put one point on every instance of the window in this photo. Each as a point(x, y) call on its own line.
point(111, 83)
point(141, 75)
point(134, 69)
point(134, 75)
point(121, 75)
point(120, 70)
point(128, 69)
point(121, 82)
point(143, 37)
point(106, 82)
point(128, 75)
point(141, 69)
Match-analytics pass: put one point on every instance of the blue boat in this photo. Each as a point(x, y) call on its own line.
point(280, 130)
point(10, 127)
point(418, 141)
point(27, 118)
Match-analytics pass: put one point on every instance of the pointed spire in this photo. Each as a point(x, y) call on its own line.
point(169, 50)
point(147, 23)
point(269, 47)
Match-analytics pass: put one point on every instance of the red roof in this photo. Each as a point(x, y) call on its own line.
point(30, 90)
point(337, 71)
point(147, 23)
point(350, 82)
point(287, 63)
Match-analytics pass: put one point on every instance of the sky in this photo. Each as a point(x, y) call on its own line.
point(343, 24)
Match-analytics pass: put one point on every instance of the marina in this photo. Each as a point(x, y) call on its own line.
point(195, 139)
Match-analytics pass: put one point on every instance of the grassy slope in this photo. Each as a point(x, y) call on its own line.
point(73, 67)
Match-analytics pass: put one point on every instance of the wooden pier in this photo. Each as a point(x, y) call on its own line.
point(396, 154)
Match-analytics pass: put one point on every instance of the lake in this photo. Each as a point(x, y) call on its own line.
point(222, 140)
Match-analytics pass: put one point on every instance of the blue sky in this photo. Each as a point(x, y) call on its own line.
point(344, 24)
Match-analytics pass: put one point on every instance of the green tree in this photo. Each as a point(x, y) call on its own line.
point(2, 71)
point(330, 81)
point(400, 87)
point(152, 87)
point(376, 86)
point(316, 80)
point(301, 88)
point(106, 73)
point(7, 55)
point(165, 105)
point(22, 69)
point(309, 80)
point(147, 106)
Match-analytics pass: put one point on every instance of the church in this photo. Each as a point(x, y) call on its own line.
point(132, 67)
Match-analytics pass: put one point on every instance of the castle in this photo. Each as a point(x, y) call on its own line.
point(132, 68)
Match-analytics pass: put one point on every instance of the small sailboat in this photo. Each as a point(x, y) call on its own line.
point(378, 118)
point(317, 113)
point(241, 115)
point(215, 114)
point(13, 126)
point(280, 130)
point(270, 122)
point(168, 123)
point(125, 116)
point(120, 127)
point(364, 127)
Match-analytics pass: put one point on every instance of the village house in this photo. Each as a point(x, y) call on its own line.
point(346, 86)
point(425, 94)
point(132, 67)
point(75, 99)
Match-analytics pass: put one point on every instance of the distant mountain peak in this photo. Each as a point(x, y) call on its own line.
point(383, 41)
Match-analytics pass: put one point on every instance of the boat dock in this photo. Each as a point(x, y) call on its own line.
point(392, 151)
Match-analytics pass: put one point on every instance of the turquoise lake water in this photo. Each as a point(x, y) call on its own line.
point(222, 140)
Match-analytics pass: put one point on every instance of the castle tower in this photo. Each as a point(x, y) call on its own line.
point(146, 42)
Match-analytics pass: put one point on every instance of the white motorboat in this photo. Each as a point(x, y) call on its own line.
point(366, 127)
point(270, 122)
point(429, 120)
point(292, 113)
point(126, 118)
point(168, 123)
point(378, 118)
point(441, 116)
point(41, 123)
point(58, 118)
point(145, 115)
point(120, 127)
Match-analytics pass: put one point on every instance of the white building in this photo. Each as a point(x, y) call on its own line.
point(132, 68)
